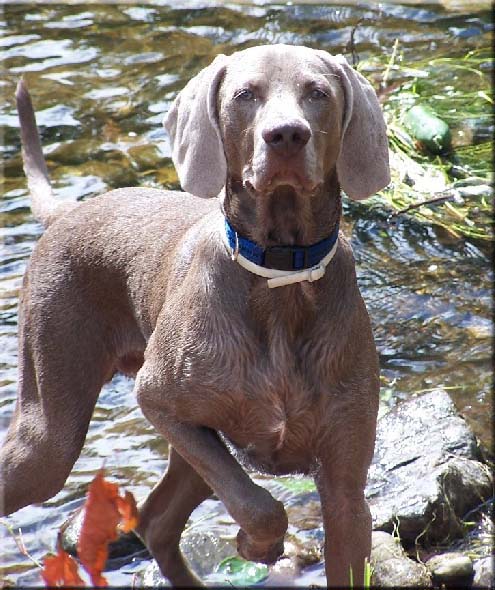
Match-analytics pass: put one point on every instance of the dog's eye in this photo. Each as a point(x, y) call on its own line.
point(317, 94)
point(245, 94)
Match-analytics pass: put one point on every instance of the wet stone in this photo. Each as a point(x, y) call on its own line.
point(453, 569)
point(203, 550)
point(152, 577)
point(304, 549)
point(484, 573)
point(425, 473)
point(305, 515)
point(127, 546)
point(283, 572)
point(392, 567)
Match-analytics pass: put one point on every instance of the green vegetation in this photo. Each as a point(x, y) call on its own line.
point(447, 188)
point(368, 571)
point(297, 484)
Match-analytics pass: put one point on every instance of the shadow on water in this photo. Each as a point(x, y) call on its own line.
point(101, 76)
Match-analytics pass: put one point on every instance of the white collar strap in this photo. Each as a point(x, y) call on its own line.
point(276, 277)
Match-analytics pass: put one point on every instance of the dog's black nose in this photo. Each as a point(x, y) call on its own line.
point(287, 139)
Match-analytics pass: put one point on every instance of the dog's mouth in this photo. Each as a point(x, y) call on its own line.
point(265, 171)
point(268, 185)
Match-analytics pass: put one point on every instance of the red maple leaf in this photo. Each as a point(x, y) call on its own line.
point(61, 570)
point(105, 510)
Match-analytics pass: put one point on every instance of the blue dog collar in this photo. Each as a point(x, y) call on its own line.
point(282, 258)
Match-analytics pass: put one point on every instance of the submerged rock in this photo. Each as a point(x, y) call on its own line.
point(145, 157)
point(425, 474)
point(203, 550)
point(126, 547)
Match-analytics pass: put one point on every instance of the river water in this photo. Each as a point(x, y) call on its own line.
point(101, 77)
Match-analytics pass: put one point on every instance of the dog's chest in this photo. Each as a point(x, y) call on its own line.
point(276, 432)
point(261, 379)
point(272, 412)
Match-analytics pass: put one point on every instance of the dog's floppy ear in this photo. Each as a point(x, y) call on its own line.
point(362, 165)
point(197, 149)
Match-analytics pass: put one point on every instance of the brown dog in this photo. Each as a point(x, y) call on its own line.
point(253, 335)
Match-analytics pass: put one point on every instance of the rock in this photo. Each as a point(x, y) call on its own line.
point(484, 573)
point(392, 567)
point(384, 546)
point(303, 549)
point(152, 577)
point(282, 573)
point(452, 569)
point(465, 484)
point(305, 515)
point(425, 474)
point(204, 550)
point(124, 549)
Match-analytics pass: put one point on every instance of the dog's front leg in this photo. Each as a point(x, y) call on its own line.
point(347, 523)
point(346, 516)
point(262, 519)
point(164, 514)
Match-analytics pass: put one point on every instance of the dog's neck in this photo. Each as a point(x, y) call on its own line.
point(283, 217)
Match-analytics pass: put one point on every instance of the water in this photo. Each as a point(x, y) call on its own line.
point(101, 77)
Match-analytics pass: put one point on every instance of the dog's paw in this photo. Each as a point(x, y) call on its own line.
point(259, 551)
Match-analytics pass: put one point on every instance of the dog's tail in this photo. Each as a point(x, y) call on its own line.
point(44, 205)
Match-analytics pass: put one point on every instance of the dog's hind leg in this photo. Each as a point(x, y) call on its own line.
point(62, 367)
point(164, 515)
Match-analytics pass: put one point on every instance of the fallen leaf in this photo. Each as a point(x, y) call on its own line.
point(61, 570)
point(104, 511)
point(128, 512)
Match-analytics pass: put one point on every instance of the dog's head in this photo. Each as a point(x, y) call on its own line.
point(278, 115)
